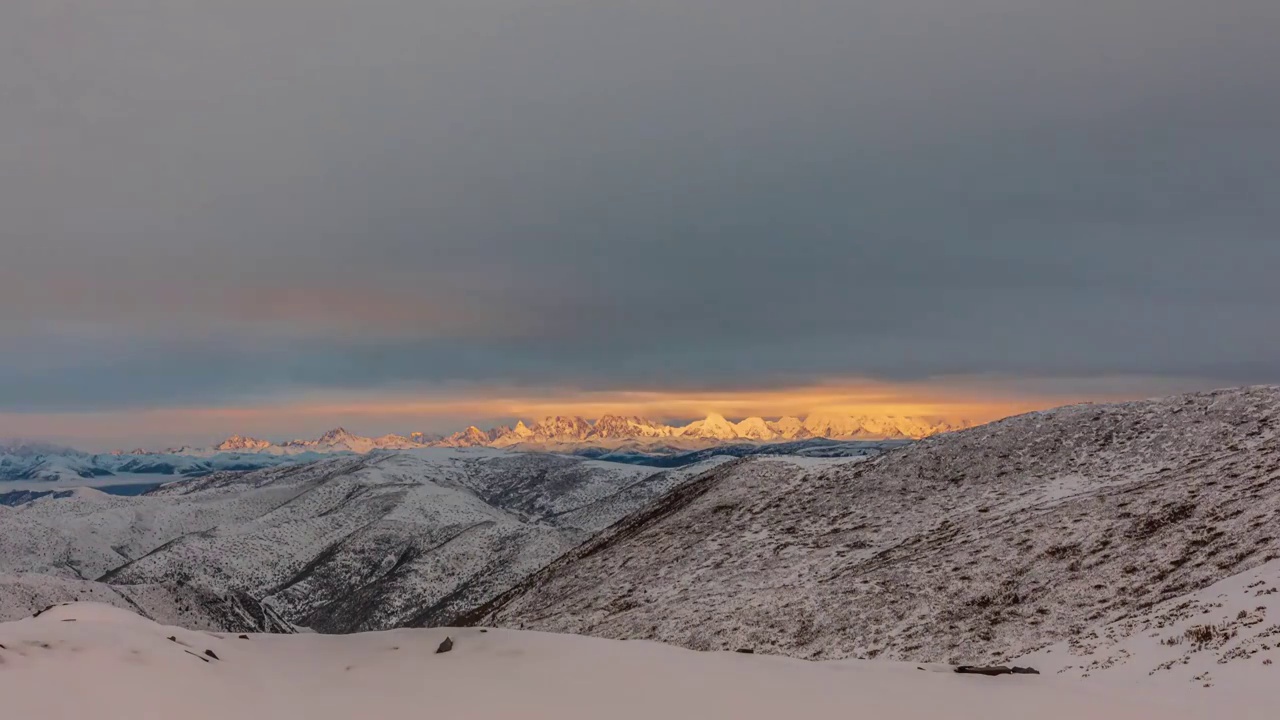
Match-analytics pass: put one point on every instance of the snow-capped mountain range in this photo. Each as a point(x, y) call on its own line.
point(44, 462)
point(560, 432)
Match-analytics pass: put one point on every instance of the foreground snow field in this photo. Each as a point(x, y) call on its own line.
point(88, 660)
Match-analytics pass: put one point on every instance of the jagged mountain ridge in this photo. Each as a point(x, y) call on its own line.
point(560, 432)
point(974, 546)
point(48, 463)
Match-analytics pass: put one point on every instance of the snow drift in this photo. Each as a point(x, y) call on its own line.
point(93, 661)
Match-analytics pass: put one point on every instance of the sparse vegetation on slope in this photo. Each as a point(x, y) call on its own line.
point(968, 547)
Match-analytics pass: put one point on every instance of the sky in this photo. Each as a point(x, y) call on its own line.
point(282, 215)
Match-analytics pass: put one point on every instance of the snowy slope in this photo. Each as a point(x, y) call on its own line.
point(371, 547)
point(93, 661)
point(1225, 636)
point(90, 533)
point(351, 542)
point(974, 546)
point(190, 606)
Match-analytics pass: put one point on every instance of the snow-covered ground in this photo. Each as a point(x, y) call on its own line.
point(1225, 637)
point(93, 661)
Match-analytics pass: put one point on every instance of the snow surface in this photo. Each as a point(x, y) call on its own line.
point(89, 660)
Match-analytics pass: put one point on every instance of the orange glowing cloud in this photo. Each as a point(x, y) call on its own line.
point(444, 410)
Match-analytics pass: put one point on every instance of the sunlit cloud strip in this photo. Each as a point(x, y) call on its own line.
point(444, 410)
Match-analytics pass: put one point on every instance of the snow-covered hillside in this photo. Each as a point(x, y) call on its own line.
point(191, 606)
point(1225, 636)
point(31, 465)
point(93, 661)
point(351, 542)
point(974, 546)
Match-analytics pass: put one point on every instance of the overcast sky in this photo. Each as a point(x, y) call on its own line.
point(205, 204)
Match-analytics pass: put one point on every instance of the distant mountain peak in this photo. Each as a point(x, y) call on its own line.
point(335, 435)
point(755, 428)
point(616, 426)
point(238, 442)
point(713, 427)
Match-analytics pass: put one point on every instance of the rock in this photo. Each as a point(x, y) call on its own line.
point(244, 637)
point(996, 670)
point(173, 638)
point(211, 654)
point(41, 612)
point(445, 646)
point(972, 670)
point(746, 651)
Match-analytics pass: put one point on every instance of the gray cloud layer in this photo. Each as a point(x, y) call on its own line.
point(206, 200)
